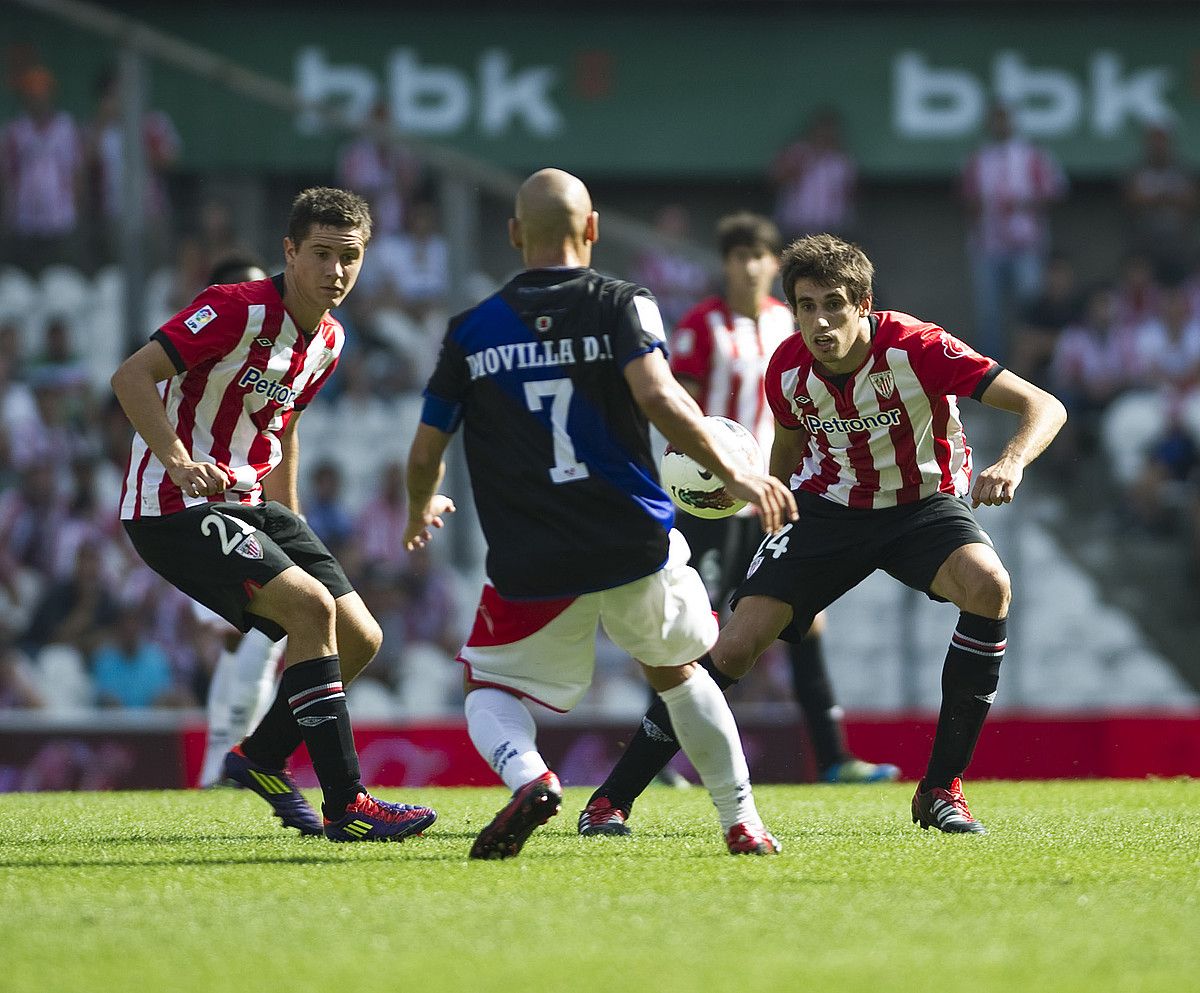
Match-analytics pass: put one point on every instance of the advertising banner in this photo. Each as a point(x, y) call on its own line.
point(665, 93)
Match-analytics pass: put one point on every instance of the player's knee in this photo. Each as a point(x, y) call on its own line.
point(990, 592)
point(733, 655)
point(319, 601)
point(310, 608)
point(363, 641)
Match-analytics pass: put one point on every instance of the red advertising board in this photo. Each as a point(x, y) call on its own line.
point(431, 753)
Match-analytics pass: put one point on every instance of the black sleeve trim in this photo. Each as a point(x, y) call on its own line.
point(170, 349)
point(988, 377)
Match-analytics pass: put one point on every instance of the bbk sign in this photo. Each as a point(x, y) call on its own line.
point(937, 102)
point(434, 100)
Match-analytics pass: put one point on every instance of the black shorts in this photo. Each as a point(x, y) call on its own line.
point(221, 553)
point(721, 551)
point(831, 549)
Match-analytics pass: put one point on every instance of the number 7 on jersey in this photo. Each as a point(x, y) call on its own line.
point(567, 468)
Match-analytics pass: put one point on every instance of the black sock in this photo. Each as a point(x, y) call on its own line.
point(651, 748)
point(313, 690)
point(276, 737)
point(810, 684)
point(969, 679)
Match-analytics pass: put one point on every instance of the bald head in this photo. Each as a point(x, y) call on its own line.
point(554, 217)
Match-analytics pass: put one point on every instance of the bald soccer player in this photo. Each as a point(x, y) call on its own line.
point(554, 381)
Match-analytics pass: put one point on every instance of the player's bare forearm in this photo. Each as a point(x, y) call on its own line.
point(282, 483)
point(426, 469)
point(135, 384)
point(1041, 415)
point(670, 409)
point(786, 452)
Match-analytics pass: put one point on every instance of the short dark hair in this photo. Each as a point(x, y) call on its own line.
point(326, 205)
point(235, 267)
point(827, 261)
point(747, 230)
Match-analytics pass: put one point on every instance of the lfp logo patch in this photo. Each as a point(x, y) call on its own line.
point(197, 321)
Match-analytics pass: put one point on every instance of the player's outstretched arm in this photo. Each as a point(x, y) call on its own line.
point(672, 410)
point(1041, 415)
point(135, 384)
point(426, 467)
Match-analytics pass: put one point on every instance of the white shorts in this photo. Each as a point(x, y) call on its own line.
point(546, 649)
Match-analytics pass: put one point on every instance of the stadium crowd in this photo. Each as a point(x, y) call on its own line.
point(84, 624)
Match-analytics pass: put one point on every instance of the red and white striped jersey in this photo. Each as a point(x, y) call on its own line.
point(891, 434)
point(244, 369)
point(727, 354)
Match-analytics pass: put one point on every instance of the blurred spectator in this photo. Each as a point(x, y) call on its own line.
point(1160, 194)
point(816, 182)
point(56, 436)
point(1167, 346)
point(30, 517)
point(11, 347)
point(417, 608)
point(18, 409)
point(172, 622)
point(113, 437)
point(381, 169)
point(1139, 295)
point(88, 520)
point(379, 527)
point(1145, 439)
point(18, 682)
point(383, 596)
point(1042, 322)
point(76, 611)
point(131, 671)
point(1008, 184)
point(403, 290)
point(41, 170)
point(57, 359)
point(105, 150)
point(325, 511)
point(430, 610)
point(676, 279)
point(1090, 367)
point(211, 239)
point(1160, 493)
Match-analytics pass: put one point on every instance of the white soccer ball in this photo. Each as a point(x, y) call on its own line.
point(697, 491)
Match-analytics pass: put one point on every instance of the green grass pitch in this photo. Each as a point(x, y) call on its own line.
point(1088, 886)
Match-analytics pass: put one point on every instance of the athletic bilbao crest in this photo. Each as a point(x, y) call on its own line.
point(250, 548)
point(884, 383)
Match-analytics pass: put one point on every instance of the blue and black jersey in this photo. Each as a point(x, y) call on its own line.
point(559, 453)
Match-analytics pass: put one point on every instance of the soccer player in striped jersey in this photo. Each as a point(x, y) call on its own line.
point(554, 380)
point(243, 681)
point(868, 433)
point(719, 354)
point(210, 503)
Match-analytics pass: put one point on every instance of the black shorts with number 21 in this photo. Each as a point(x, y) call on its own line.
point(221, 553)
point(811, 562)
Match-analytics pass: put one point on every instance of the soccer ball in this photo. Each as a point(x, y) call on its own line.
point(697, 491)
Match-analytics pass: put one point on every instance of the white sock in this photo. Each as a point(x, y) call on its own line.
point(242, 688)
point(503, 732)
point(706, 732)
